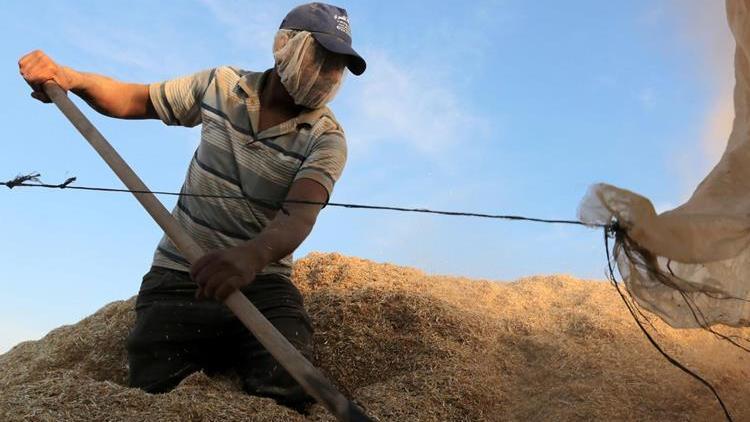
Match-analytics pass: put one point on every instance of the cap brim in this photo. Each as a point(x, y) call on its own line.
point(356, 63)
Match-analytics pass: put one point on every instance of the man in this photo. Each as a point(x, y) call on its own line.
point(265, 136)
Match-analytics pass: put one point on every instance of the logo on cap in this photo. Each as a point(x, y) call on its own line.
point(342, 24)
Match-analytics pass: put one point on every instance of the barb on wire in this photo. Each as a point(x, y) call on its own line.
point(279, 204)
point(21, 180)
point(67, 182)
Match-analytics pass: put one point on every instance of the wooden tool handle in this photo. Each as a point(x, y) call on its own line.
point(290, 358)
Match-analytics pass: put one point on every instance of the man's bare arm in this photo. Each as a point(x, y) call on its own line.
point(107, 96)
point(221, 272)
point(287, 231)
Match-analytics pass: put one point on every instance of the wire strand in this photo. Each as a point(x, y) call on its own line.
point(613, 230)
point(23, 181)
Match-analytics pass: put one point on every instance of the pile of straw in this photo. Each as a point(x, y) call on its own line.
point(409, 346)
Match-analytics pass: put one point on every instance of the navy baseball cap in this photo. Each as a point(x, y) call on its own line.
point(329, 26)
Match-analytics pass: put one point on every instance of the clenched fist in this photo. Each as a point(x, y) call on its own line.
point(220, 273)
point(38, 68)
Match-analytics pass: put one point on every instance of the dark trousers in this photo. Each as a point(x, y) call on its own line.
point(176, 335)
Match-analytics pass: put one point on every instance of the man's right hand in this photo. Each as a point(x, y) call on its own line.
point(38, 68)
point(106, 95)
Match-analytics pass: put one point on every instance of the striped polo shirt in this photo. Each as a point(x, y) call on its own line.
point(234, 159)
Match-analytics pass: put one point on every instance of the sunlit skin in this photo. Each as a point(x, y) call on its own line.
point(220, 272)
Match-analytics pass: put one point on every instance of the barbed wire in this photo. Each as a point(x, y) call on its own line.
point(610, 231)
point(23, 181)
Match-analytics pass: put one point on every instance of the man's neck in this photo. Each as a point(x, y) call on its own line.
point(274, 96)
point(276, 105)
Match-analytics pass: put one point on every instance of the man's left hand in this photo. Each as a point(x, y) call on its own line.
point(221, 272)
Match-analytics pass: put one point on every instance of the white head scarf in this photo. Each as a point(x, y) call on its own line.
point(310, 74)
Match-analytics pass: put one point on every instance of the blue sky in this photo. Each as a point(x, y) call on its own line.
point(504, 106)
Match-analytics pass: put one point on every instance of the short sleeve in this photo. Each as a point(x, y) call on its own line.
point(178, 101)
point(326, 161)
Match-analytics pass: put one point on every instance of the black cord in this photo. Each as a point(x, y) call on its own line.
point(613, 230)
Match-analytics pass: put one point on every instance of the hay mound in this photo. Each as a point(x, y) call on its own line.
point(409, 346)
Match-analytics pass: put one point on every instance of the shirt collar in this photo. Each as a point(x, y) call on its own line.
point(251, 84)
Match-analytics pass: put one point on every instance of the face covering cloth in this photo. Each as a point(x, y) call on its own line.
point(310, 74)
